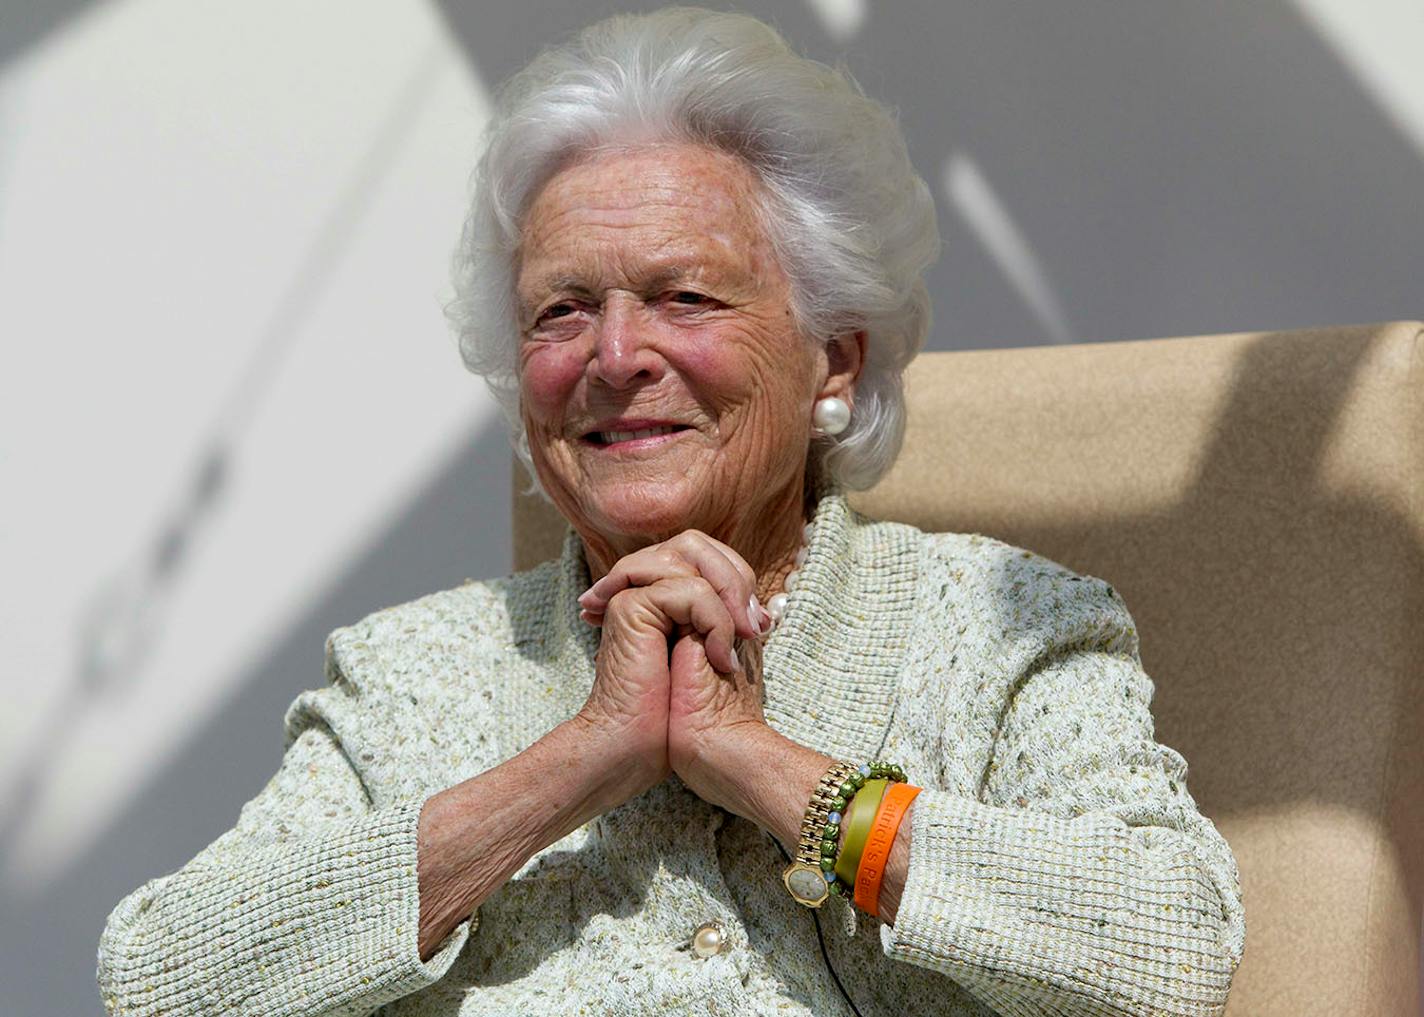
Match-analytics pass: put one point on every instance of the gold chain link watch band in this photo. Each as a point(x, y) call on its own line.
point(804, 878)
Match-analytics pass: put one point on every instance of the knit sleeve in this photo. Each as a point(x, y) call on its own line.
point(1082, 880)
point(309, 905)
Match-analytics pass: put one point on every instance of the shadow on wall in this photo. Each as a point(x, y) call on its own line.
point(444, 537)
point(1172, 169)
point(28, 24)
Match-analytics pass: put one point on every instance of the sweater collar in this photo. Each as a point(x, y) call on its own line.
point(832, 664)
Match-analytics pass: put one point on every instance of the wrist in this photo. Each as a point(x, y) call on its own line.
point(612, 766)
point(771, 779)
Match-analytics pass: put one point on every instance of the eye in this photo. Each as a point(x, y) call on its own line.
point(562, 309)
point(691, 298)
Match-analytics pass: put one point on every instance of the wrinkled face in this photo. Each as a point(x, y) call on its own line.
point(663, 384)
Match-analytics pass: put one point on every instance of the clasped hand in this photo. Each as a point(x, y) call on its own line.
point(678, 672)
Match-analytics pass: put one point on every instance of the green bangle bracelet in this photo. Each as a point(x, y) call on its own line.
point(830, 836)
point(858, 820)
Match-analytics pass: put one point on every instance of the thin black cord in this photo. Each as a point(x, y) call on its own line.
point(820, 939)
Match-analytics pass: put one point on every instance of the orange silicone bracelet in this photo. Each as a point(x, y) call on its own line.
point(897, 799)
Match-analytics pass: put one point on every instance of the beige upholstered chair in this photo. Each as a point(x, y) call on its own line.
point(1258, 500)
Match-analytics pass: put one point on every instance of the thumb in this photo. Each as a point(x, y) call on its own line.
point(689, 655)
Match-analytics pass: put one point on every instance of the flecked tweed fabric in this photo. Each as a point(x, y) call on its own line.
point(1058, 863)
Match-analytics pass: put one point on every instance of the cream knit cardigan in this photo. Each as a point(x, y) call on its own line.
point(1058, 863)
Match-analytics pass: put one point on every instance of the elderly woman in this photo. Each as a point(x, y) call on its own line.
point(617, 782)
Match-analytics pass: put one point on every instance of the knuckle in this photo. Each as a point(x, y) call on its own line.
point(689, 539)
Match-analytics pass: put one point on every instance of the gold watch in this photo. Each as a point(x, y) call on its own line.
point(804, 878)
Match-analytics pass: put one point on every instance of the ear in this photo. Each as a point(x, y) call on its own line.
point(845, 356)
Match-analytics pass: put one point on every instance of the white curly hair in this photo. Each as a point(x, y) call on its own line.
point(850, 220)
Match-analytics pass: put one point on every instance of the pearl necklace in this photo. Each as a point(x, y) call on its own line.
point(776, 606)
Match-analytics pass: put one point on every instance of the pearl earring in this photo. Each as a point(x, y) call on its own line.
point(831, 416)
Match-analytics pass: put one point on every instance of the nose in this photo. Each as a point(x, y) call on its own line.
point(624, 352)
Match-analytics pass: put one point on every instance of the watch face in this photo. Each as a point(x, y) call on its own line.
point(806, 883)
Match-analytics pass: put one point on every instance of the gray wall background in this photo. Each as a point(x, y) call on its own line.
point(1105, 171)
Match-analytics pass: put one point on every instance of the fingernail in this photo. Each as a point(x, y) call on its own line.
point(759, 616)
point(586, 596)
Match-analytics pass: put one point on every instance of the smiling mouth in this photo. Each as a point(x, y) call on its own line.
point(605, 438)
